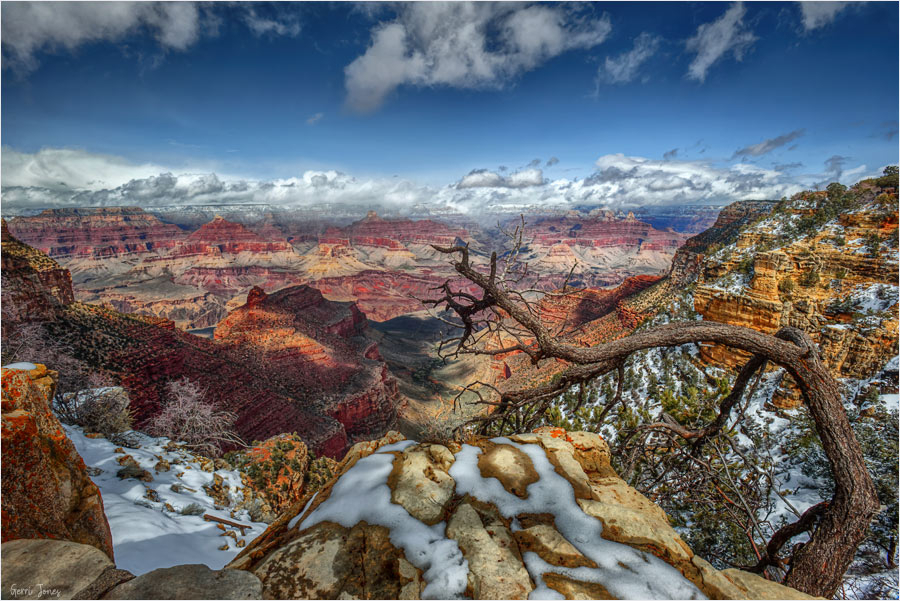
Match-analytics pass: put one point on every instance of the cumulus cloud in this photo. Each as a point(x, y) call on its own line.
point(671, 154)
point(30, 27)
point(60, 178)
point(624, 67)
point(819, 14)
point(464, 45)
point(787, 166)
point(551, 161)
point(636, 180)
point(67, 169)
point(482, 178)
point(767, 146)
point(313, 119)
point(715, 40)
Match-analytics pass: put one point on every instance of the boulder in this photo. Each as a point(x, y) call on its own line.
point(540, 513)
point(47, 492)
point(193, 581)
point(54, 569)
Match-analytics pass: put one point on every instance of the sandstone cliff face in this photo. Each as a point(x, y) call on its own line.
point(539, 514)
point(831, 282)
point(602, 231)
point(97, 232)
point(34, 286)
point(46, 489)
point(375, 231)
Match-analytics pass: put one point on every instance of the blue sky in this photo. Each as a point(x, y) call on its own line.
point(774, 96)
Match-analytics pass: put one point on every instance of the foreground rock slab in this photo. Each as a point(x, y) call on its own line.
point(540, 514)
point(53, 569)
point(193, 581)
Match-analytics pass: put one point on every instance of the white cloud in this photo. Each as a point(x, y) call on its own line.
point(819, 14)
point(313, 119)
point(30, 27)
point(481, 178)
point(715, 40)
point(68, 169)
point(624, 67)
point(63, 178)
point(464, 45)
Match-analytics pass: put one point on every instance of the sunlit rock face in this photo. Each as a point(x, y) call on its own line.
point(832, 282)
point(539, 514)
point(46, 489)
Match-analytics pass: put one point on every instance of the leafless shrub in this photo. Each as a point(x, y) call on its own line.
point(98, 408)
point(187, 417)
point(192, 509)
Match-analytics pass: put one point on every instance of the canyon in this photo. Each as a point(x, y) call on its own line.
point(351, 395)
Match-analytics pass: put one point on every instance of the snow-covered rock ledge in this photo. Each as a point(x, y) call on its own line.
point(539, 516)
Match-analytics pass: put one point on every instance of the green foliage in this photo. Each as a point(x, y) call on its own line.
point(873, 245)
point(890, 178)
point(746, 265)
point(786, 285)
point(809, 279)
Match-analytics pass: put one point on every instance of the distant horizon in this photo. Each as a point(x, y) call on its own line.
point(481, 107)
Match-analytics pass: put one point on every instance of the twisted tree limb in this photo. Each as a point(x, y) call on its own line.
point(817, 567)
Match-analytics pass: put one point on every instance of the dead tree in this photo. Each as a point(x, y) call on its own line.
point(505, 313)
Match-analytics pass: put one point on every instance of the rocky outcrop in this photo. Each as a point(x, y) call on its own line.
point(46, 489)
point(830, 282)
point(221, 236)
point(535, 514)
point(730, 220)
point(34, 286)
point(51, 569)
point(192, 581)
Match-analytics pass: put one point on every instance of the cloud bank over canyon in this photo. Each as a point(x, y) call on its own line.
point(76, 178)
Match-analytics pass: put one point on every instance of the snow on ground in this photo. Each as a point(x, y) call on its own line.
point(145, 535)
point(875, 298)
